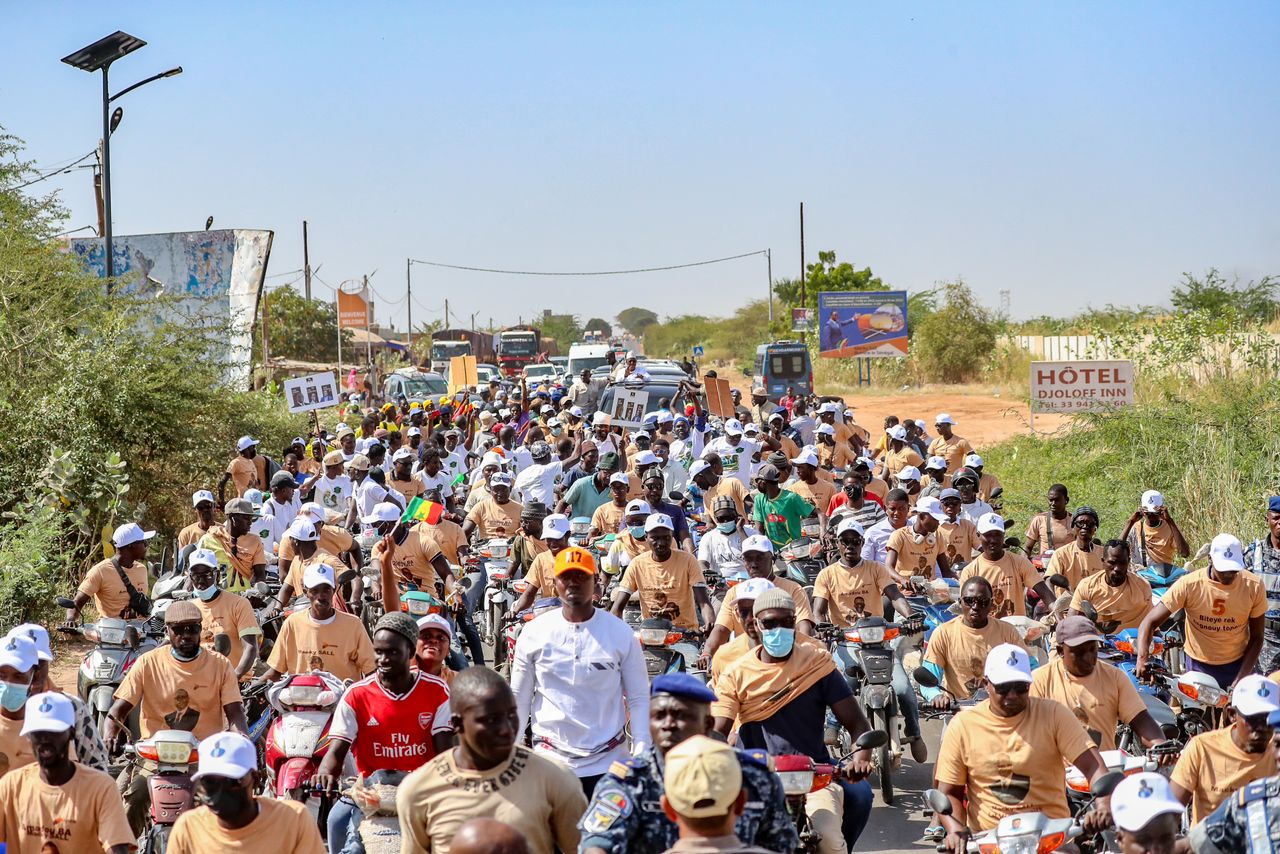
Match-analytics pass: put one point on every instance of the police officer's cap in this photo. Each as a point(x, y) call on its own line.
point(683, 685)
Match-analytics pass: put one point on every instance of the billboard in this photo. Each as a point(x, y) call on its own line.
point(216, 275)
point(353, 309)
point(1081, 386)
point(801, 319)
point(862, 323)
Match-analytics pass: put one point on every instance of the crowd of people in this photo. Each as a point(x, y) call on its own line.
point(445, 740)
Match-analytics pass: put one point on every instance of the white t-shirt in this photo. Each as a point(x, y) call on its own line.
point(877, 539)
point(723, 552)
point(454, 463)
point(568, 678)
point(282, 515)
point(685, 451)
point(264, 526)
point(442, 481)
point(537, 482)
point(805, 425)
point(736, 458)
point(520, 458)
point(334, 494)
point(973, 512)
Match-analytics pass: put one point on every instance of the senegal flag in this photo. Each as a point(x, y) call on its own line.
point(422, 511)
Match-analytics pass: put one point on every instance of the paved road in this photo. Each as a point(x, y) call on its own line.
point(898, 828)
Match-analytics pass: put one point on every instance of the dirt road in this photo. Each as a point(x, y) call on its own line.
point(982, 417)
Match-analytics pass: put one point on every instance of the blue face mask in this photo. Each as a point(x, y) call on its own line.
point(13, 697)
point(778, 642)
point(556, 431)
point(726, 527)
point(637, 531)
point(207, 593)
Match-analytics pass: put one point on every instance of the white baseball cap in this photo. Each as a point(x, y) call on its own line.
point(973, 461)
point(990, 522)
point(850, 524)
point(936, 463)
point(576, 411)
point(204, 557)
point(1138, 799)
point(664, 416)
point(1007, 663)
point(658, 520)
point(697, 467)
point(932, 506)
point(383, 511)
point(753, 587)
point(226, 754)
point(202, 495)
point(38, 635)
point(417, 431)
point(302, 530)
point(897, 432)
point(314, 510)
point(547, 409)
point(828, 407)
point(19, 652)
point(1226, 554)
point(246, 442)
point(757, 543)
point(48, 712)
point(944, 418)
point(733, 427)
point(435, 621)
point(637, 506)
point(555, 526)
point(130, 533)
point(492, 459)
point(825, 430)
point(619, 477)
point(1152, 500)
point(806, 458)
point(405, 453)
point(501, 478)
point(646, 458)
point(909, 473)
point(1256, 695)
point(317, 574)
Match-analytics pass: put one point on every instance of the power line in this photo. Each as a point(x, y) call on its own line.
point(57, 171)
point(591, 272)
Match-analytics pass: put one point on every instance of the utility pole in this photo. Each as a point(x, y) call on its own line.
point(306, 260)
point(446, 314)
point(368, 335)
point(266, 318)
point(97, 191)
point(803, 297)
point(768, 255)
point(473, 320)
point(408, 298)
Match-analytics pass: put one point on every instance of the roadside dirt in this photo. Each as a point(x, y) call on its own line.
point(982, 417)
point(68, 652)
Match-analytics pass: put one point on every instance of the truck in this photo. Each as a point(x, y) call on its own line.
point(443, 350)
point(481, 342)
point(587, 356)
point(516, 347)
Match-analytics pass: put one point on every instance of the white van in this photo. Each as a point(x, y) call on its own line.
point(586, 357)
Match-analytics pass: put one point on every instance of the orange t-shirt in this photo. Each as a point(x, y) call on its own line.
point(186, 695)
point(103, 583)
point(496, 520)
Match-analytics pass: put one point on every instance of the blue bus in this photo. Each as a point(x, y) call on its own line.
point(783, 364)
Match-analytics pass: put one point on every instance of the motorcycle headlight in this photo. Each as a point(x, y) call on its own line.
point(796, 783)
point(653, 637)
point(499, 550)
point(174, 752)
point(300, 695)
point(419, 607)
point(112, 635)
point(871, 634)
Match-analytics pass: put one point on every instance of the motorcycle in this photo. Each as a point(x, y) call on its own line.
point(298, 738)
point(117, 645)
point(483, 583)
point(800, 776)
point(1027, 832)
point(579, 531)
point(658, 638)
point(170, 756)
point(801, 560)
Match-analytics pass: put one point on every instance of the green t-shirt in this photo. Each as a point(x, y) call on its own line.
point(781, 517)
point(583, 498)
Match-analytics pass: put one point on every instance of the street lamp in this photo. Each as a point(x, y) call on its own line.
point(99, 56)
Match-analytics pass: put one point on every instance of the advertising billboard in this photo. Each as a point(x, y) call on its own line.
point(862, 323)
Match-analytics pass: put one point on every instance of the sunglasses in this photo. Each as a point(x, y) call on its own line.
point(1012, 688)
point(975, 601)
point(783, 623)
point(851, 541)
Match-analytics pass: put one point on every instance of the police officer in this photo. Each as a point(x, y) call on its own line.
point(625, 813)
point(1249, 819)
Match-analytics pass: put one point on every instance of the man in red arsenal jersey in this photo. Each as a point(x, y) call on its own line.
point(394, 720)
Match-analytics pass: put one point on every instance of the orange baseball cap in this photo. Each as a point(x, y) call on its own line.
point(575, 558)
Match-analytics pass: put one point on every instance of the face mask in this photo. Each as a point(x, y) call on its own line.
point(726, 527)
point(173, 650)
point(226, 802)
point(778, 642)
point(556, 431)
point(637, 531)
point(13, 697)
point(207, 593)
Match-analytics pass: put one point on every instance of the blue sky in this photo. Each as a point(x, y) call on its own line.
point(1073, 154)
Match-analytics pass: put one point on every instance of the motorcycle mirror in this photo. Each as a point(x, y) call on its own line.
point(64, 602)
point(938, 802)
point(345, 578)
point(262, 590)
point(1059, 580)
point(676, 496)
point(1012, 543)
point(1106, 784)
point(997, 492)
point(1087, 609)
point(222, 644)
point(925, 677)
point(871, 739)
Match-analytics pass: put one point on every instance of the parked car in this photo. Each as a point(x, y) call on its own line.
point(414, 385)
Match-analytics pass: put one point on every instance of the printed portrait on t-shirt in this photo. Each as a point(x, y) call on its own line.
point(183, 717)
point(1012, 788)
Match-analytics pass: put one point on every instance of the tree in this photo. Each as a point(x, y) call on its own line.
point(636, 320)
point(1253, 302)
point(596, 324)
point(303, 329)
point(827, 275)
point(952, 344)
point(562, 327)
